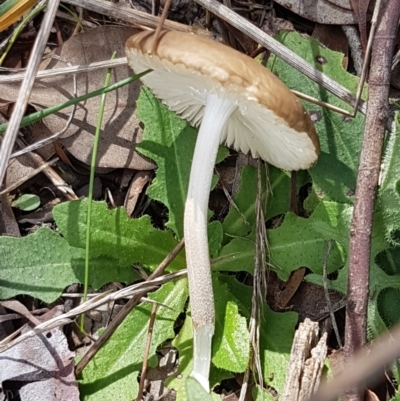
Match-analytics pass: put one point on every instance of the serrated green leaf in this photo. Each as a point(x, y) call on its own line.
point(113, 233)
point(27, 202)
point(215, 235)
point(388, 194)
point(231, 342)
point(237, 255)
point(296, 243)
point(276, 334)
point(240, 219)
point(112, 373)
point(42, 264)
point(334, 176)
point(170, 142)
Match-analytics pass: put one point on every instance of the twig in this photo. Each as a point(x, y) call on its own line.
point(367, 182)
point(326, 291)
point(368, 52)
point(146, 352)
point(124, 312)
point(160, 26)
point(26, 87)
point(353, 39)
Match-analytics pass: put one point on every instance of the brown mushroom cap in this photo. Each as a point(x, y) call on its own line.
point(269, 120)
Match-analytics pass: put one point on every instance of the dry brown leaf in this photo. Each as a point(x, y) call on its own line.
point(121, 129)
point(291, 287)
point(338, 12)
point(333, 37)
point(139, 181)
point(360, 8)
point(40, 365)
point(19, 168)
point(342, 3)
point(8, 223)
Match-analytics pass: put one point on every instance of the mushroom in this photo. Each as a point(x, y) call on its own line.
point(237, 102)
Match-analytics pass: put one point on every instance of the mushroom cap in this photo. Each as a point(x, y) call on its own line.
point(269, 121)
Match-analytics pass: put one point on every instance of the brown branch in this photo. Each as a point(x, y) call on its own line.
point(367, 182)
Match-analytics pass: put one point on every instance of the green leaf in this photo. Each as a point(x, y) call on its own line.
point(240, 219)
point(112, 373)
point(237, 255)
point(276, 334)
point(388, 194)
point(42, 264)
point(334, 176)
point(170, 142)
point(114, 234)
point(231, 342)
point(195, 391)
point(183, 342)
point(296, 243)
point(260, 394)
point(26, 202)
point(215, 235)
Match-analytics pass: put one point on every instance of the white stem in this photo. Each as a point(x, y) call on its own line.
point(216, 114)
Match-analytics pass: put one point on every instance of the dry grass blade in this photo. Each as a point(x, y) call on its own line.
point(326, 291)
point(368, 52)
point(146, 352)
point(133, 17)
point(26, 87)
point(76, 69)
point(259, 288)
point(136, 291)
point(127, 308)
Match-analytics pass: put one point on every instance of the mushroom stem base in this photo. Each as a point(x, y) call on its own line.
point(216, 114)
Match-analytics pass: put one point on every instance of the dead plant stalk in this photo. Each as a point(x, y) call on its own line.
point(367, 182)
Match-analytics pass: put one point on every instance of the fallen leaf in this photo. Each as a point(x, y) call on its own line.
point(121, 129)
point(360, 8)
point(40, 365)
point(333, 37)
point(322, 11)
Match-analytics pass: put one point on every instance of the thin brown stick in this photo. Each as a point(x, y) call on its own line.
point(360, 85)
point(160, 26)
point(326, 292)
point(146, 352)
point(125, 311)
point(367, 182)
